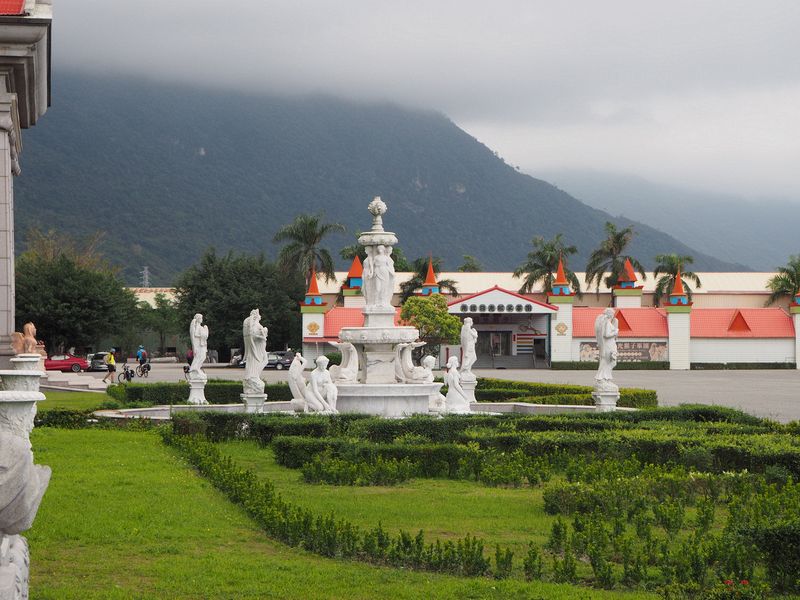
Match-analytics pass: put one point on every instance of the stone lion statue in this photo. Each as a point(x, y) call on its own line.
point(25, 342)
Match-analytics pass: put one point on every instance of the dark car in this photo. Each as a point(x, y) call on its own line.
point(279, 360)
point(65, 362)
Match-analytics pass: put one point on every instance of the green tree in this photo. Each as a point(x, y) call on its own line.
point(162, 319)
point(304, 251)
point(84, 252)
point(666, 272)
point(71, 305)
point(470, 265)
point(786, 282)
point(542, 263)
point(429, 315)
point(610, 257)
point(224, 289)
point(419, 270)
point(401, 263)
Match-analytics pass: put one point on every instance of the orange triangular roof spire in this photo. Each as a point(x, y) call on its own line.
point(738, 322)
point(561, 279)
point(622, 322)
point(628, 274)
point(313, 290)
point(677, 289)
point(431, 277)
point(356, 269)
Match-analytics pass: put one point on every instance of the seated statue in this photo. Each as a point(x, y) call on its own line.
point(321, 393)
point(25, 342)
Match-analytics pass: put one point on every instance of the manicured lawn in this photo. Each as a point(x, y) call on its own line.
point(72, 400)
point(125, 518)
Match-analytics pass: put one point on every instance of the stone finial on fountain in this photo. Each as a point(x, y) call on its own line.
point(378, 208)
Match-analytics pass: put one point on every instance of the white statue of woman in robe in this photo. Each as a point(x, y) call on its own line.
point(469, 338)
point(255, 352)
point(456, 400)
point(383, 267)
point(198, 334)
point(606, 329)
point(297, 383)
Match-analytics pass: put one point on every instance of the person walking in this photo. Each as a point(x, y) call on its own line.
point(111, 363)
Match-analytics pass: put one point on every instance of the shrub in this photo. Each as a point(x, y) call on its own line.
point(503, 561)
point(326, 469)
point(533, 565)
point(780, 544)
point(64, 418)
point(216, 392)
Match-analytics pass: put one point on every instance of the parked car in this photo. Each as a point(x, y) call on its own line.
point(66, 362)
point(279, 360)
point(97, 362)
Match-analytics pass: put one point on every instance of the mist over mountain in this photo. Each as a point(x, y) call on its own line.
point(168, 170)
point(758, 233)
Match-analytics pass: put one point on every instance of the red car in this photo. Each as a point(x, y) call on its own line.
point(65, 362)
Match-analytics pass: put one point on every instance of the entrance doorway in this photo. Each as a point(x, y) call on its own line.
point(494, 343)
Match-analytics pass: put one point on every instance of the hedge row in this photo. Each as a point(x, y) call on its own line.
point(327, 536)
point(586, 365)
point(216, 392)
point(628, 397)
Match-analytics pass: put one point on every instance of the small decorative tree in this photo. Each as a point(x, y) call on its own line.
point(429, 315)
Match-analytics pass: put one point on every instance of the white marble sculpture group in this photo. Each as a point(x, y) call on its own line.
point(22, 483)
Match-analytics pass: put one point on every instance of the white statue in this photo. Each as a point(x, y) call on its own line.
point(22, 483)
point(347, 372)
point(456, 400)
point(469, 338)
point(321, 393)
point(404, 369)
point(378, 275)
point(297, 383)
point(198, 334)
point(606, 329)
point(255, 352)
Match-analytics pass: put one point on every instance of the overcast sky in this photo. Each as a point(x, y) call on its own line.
point(695, 93)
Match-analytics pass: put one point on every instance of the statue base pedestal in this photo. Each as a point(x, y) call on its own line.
point(469, 389)
point(253, 403)
point(386, 400)
point(197, 394)
point(605, 401)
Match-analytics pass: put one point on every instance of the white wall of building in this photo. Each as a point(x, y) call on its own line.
point(722, 350)
point(679, 344)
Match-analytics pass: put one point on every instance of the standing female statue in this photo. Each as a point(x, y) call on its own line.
point(255, 352)
point(379, 276)
point(469, 337)
point(606, 329)
point(198, 334)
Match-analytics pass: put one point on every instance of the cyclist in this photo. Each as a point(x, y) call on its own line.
point(141, 355)
point(111, 364)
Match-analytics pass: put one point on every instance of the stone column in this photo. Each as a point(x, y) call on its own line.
point(9, 167)
point(679, 325)
point(561, 329)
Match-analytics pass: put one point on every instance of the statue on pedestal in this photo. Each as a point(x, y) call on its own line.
point(606, 329)
point(321, 393)
point(255, 352)
point(25, 342)
point(456, 400)
point(378, 276)
point(198, 335)
point(469, 338)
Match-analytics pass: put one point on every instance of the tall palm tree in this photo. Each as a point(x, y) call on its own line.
point(304, 252)
point(542, 262)
point(667, 267)
point(610, 258)
point(419, 268)
point(786, 282)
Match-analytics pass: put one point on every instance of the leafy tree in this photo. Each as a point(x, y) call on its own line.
point(542, 263)
point(786, 282)
point(429, 315)
point(71, 305)
point(470, 265)
point(667, 267)
point(304, 251)
point(610, 257)
point(398, 256)
point(49, 245)
point(226, 288)
point(419, 270)
point(162, 319)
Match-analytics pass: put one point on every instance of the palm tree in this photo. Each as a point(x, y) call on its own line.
point(542, 262)
point(610, 258)
point(668, 266)
point(470, 265)
point(419, 268)
point(786, 282)
point(303, 252)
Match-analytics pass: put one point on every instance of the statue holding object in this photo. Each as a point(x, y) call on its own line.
point(198, 334)
point(469, 338)
point(255, 352)
point(606, 329)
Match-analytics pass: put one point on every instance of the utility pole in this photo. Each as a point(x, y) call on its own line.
point(145, 273)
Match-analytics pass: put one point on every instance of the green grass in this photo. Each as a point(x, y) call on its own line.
point(125, 518)
point(72, 400)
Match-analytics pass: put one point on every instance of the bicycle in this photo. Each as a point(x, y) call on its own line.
point(127, 374)
point(143, 370)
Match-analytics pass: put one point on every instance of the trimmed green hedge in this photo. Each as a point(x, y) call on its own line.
point(587, 365)
point(498, 390)
point(216, 392)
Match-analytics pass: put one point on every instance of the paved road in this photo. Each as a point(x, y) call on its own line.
point(766, 393)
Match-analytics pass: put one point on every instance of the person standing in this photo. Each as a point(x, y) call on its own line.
point(111, 364)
